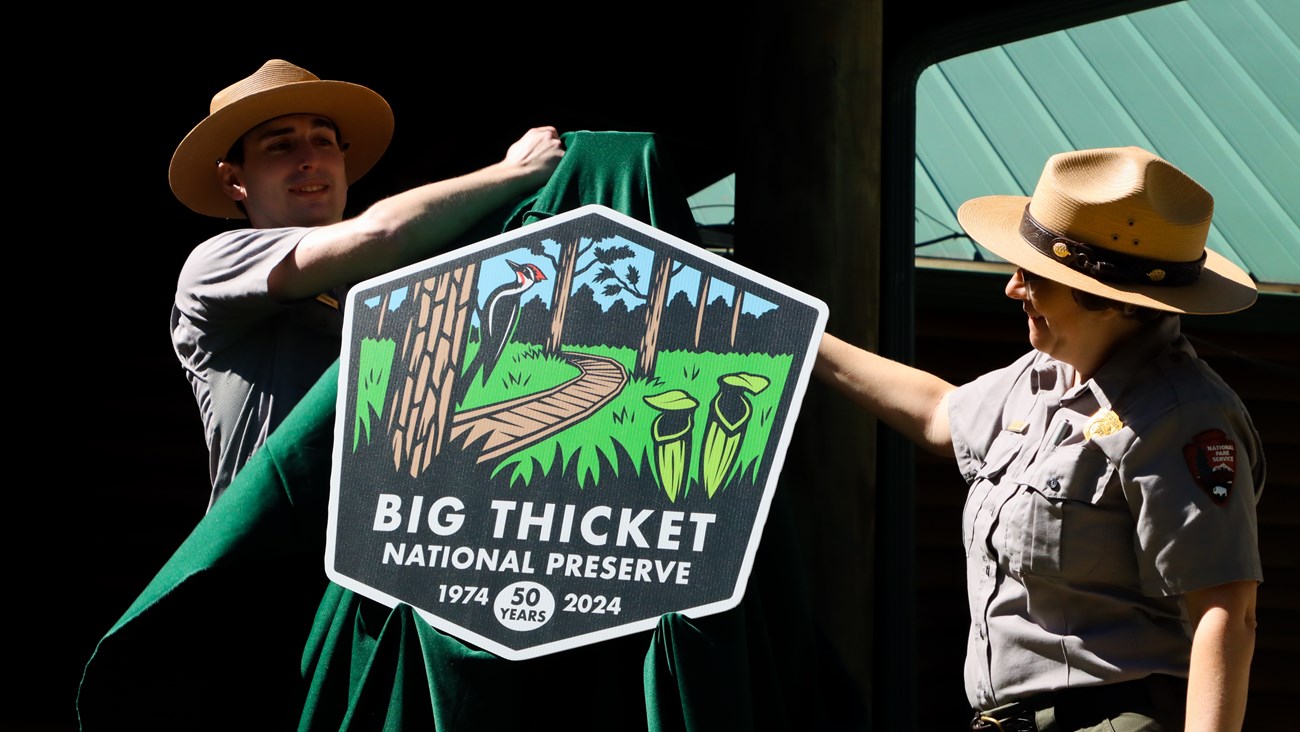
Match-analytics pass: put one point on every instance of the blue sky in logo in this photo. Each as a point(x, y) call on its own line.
point(495, 271)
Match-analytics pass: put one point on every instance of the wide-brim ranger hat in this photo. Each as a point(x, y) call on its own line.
point(1120, 222)
point(363, 118)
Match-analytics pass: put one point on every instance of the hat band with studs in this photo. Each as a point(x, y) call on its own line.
point(1105, 264)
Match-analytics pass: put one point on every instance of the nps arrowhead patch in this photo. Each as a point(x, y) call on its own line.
point(1212, 459)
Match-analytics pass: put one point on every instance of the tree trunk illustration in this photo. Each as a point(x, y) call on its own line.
point(560, 296)
point(702, 300)
point(648, 351)
point(736, 308)
point(430, 354)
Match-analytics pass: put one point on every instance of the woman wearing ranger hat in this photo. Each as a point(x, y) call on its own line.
point(1109, 526)
point(256, 319)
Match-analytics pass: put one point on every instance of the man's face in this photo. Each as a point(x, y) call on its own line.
point(292, 173)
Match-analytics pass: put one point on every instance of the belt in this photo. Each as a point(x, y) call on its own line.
point(1013, 717)
point(1103, 702)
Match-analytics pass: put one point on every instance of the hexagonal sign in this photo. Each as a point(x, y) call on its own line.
point(557, 435)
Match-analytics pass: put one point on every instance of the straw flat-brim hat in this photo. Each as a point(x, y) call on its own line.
point(1119, 222)
point(363, 118)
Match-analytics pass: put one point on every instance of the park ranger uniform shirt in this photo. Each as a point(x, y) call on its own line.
point(248, 357)
point(1092, 508)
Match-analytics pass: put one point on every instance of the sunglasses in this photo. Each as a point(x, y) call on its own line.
point(1030, 279)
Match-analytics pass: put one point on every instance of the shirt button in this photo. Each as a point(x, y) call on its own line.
point(988, 570)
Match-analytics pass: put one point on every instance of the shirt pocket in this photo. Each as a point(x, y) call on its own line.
point(1001, 452)
point(1064, 523)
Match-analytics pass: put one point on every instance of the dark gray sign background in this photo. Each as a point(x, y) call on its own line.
point(371, 543)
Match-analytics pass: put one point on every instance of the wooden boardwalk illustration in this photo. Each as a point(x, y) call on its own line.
point(500, 429)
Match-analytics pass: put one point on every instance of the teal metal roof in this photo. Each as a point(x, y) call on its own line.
point(1213, 86)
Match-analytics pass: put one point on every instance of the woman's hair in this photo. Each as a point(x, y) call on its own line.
point(1089, 301)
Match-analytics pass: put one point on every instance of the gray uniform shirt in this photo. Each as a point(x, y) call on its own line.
point(1079, 539)
point(248, 358)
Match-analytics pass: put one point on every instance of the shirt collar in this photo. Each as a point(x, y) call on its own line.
point(1113, 378)
point(1047, 373)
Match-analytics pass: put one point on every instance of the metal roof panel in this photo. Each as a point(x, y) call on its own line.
point(1207, 84)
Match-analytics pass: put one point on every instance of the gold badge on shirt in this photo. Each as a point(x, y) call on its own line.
point(328, 299)
point(1103, 422)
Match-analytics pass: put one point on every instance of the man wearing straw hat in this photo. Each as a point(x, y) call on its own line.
point(1110, 520)
point(257, 317)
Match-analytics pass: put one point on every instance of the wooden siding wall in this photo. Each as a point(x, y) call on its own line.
point(1255, 352)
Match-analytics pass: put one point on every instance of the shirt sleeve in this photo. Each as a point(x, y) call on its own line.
point(975, 412)
point(222, 288)
point(1192, 475)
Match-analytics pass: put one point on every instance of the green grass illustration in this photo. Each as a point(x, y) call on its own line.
point(623, 435)
point(619, 436)
point(524, 370)
point(375, 364)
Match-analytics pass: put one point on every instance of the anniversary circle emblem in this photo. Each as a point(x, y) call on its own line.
point(556, 436)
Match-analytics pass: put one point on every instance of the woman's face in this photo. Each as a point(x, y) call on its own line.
point(1064, 329)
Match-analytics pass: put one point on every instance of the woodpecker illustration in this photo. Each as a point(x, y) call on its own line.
point(497, 322)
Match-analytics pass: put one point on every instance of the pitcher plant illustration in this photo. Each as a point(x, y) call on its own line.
point(729, 412)
point(671, 432)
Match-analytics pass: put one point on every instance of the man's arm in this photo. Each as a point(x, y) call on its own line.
point(912, 401)
point(1223, 643)
point(414, 224)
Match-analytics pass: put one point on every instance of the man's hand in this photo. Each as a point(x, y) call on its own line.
point(537, 153)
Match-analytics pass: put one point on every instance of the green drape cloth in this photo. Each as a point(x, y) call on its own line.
point(241, 629)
